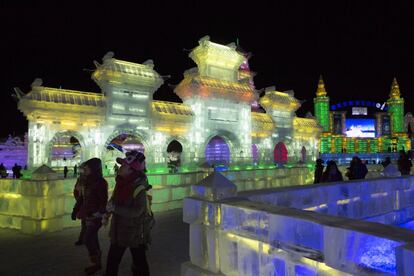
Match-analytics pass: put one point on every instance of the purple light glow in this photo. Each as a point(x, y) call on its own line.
point(217, 151)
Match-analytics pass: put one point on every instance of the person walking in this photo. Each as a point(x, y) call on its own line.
point(332, 173)
point(75, 170)
point(93, 208)
point(3, 171)
point(318, 171)
point(357, 169)
point(78, 193)
point(15, 170)
point(390, 170)
point(132, 217)
point(404, 163)
point(65, 171)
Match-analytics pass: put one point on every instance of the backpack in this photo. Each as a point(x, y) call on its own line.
point(148, 220)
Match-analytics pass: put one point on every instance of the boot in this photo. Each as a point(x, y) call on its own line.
point(96, 264)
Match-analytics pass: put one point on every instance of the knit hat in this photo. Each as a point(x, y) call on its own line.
point(134, 159)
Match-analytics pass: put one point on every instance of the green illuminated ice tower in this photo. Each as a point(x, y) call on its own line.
point(396, 112)
point(321, 105)
point(396, 109)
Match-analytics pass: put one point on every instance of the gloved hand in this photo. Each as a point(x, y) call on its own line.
point(105, 219)
point(97, 215)
point(110, 207)
point(73, 215)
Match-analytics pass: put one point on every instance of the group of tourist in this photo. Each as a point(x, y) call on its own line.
point(16, 170)
point(358, 169)
point(129, 212)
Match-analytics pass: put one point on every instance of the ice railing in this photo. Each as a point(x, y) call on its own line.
point(269, 232)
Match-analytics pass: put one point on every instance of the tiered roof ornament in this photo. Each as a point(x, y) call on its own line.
point(321, 91)
point(279, 100)
point(216, 75)
point(210, 57)
point(117, 71)
point(395, 90)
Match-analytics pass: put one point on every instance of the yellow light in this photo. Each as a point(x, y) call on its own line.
point(10, 195)
point(68, 123)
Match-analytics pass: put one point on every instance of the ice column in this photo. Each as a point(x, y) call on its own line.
point(202, 212)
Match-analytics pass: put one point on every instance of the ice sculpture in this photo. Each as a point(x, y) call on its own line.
point(325, 229)
point(218, 97)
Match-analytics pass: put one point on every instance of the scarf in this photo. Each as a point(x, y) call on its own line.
point(124, 187)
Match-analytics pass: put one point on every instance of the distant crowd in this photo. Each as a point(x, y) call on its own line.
point(358, 169)
point(16, 171)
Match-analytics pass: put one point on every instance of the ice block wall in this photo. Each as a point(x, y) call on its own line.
point(32, 206)
point(270, 232)
point(385, 200)
point(35, 206)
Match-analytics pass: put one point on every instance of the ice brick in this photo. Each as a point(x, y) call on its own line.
point(204, 247)
point(405, 260)
point(246, 221)
point(355, 252)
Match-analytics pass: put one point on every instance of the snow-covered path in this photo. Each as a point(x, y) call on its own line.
point(56, 254)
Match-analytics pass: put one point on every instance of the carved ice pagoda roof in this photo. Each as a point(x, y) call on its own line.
point(124, 71)
point(206, 87)
point(172, 108)
point(172, 118)
point(308, 125)
point(65, 96)
point(279, 100)
point(71, 106)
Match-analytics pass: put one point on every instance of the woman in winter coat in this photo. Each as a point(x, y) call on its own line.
point(78, 195)
point(92, 209)
point(129, 206)
point(318, 171)
point(332, 173)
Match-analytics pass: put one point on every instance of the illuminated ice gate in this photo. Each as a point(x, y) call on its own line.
point(217, 96)
point(327, 229)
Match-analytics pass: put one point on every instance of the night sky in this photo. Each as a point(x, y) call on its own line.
point(358, 46)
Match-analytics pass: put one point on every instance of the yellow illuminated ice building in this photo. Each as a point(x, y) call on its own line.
point(217, 123)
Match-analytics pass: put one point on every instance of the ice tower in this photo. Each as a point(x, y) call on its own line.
point(321, 104)
point(396, 109)
point(396, 112)
point(220, 101)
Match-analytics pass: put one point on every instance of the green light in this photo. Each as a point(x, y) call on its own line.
point(338, 145)
point(326, 144)
point(350, 146)
point(321, 105)
point(386, 143)
point(362, 146)
point(396, 111)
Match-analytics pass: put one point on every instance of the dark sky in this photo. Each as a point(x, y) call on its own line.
point(358, 46)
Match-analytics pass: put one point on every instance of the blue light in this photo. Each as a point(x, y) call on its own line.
point(378, 253)
point(408, 225)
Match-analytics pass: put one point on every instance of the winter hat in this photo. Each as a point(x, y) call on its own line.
point(134, 159)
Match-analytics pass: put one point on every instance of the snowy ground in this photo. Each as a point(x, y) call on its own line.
point(56, 254)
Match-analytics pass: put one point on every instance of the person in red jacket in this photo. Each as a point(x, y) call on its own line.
point(93, 208)
point(132, 218)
